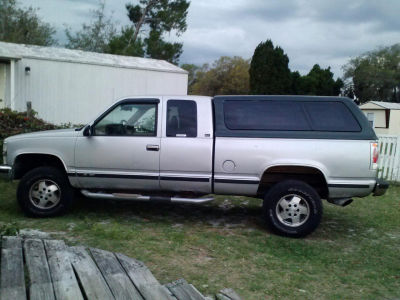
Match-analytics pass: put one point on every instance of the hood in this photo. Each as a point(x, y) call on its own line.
point(40, 134)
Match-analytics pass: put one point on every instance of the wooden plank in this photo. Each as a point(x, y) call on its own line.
point(231, 294)
point(391, 154)
point(12, 283)
point(143, 279)
point(380, 145)
point(396, 167)
point(36, 261)
point(136, 270)
point(387, 157)
point(219, 296)
point(117, 279)
point(184, 291)
point(156, 292)
point(394, 159)
point(92, 281)
point(63, 277)
point(382, 164)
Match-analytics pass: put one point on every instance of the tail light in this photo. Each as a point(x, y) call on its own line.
point(374, 156)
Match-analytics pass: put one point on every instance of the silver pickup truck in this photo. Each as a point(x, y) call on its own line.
point(290, 151)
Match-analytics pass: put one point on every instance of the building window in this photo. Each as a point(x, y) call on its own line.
point(371, 119)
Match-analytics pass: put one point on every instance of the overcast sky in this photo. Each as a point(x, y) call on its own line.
point(327, 32)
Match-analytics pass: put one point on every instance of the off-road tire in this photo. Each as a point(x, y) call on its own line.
point(285, 189)
point(66, 195)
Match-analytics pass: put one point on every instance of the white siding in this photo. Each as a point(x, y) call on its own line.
point(8, 86)
point(379, 116)
point(3, 76)
point(63, 92)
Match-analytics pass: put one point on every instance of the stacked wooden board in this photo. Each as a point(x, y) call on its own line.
point(39, 269)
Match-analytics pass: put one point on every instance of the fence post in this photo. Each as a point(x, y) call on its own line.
point(396, 167)
point(389, 157)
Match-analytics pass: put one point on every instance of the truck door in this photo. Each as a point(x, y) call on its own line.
point(123, 149)
point(186, 145)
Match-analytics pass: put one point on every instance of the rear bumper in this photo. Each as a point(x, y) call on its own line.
point(5, 171)
point(381, 187)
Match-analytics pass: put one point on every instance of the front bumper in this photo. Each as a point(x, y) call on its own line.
point(5, 171)
point(381, 187)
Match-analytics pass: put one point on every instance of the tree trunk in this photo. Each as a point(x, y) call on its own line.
point(140, 23)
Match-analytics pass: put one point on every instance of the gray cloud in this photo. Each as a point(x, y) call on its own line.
point(382, 15)
point(310, 31)
point(268, 10)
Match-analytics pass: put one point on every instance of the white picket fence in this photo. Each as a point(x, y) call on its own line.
point(389, 157)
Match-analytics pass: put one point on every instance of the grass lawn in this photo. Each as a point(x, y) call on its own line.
point(354, 254)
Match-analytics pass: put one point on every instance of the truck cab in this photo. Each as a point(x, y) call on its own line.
point(153, 143)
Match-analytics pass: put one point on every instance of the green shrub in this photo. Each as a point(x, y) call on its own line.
point(9, 229)
point(12, 123)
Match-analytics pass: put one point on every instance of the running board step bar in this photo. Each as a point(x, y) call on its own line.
point(137, 197)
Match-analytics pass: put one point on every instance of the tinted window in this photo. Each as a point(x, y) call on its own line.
point(265, 115)
point(128, 120)
point(331, 116)
point(181, 118)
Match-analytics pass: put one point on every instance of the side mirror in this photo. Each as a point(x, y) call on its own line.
point(87, 131)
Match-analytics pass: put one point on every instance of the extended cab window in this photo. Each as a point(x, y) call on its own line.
point(181, 118)
point(129, 119)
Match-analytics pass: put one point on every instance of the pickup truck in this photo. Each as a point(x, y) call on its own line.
point(289, 151)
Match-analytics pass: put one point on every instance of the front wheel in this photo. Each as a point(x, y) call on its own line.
point(44, 192)
point(292, 208)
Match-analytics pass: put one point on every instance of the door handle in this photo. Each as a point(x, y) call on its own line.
point(152, 147)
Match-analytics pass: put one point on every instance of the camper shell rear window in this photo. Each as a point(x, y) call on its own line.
point(288, 115)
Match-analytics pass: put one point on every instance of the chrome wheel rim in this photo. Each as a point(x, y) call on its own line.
point(292, 210)
point(45, 194)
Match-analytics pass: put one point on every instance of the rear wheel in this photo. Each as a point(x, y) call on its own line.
point(292, 208)
point(45, 192)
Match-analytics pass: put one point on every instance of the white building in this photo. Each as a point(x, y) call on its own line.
point(384, 117)
point(74, 86)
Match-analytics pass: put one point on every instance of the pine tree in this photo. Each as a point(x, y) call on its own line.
point(269, 70)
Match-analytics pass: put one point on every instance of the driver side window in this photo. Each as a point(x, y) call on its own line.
point(129, 119)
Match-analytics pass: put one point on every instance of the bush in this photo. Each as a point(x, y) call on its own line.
point(9, 229)
point(12, 123)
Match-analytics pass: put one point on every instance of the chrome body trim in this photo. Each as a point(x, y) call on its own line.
point(137, 197)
